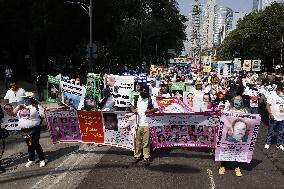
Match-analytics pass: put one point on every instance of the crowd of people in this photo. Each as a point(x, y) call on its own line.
point(239, 92)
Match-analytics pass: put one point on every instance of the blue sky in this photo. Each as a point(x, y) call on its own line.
point(236, 5)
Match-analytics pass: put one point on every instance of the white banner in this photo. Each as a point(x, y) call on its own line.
point(72, 95)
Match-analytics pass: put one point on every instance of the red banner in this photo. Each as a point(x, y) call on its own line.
point(91, 126)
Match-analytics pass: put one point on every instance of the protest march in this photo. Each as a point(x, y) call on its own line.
point(174, 106)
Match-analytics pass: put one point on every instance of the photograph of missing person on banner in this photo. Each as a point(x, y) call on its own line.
point(110, 121)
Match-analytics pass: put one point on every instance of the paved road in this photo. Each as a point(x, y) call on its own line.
point(88, 166)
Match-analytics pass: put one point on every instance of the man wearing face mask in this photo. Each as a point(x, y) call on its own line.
point(274, 106)
point(141, 106)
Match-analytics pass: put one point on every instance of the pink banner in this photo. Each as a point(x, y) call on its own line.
point(237, 136)
point(63, 125)
point(187, 130)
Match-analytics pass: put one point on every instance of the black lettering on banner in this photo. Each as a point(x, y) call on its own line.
point(253, 138)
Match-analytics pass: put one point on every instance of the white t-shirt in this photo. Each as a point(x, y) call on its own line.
point(28, 117)
point(142, 105)
point(276, 106)
point(15, 96)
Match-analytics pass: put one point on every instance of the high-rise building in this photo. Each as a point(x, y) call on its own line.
point(223, 23)
point(236, 17)
point(207, 26)
point(262, 4)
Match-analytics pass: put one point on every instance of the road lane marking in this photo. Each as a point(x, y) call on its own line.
point(54, 177)
point(211, 179)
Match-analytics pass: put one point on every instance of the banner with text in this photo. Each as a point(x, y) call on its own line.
point(187, 130)
point(72, 95)
point(9, 121)
point(237, 136)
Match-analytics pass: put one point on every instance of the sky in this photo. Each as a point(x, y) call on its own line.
point(236, 5)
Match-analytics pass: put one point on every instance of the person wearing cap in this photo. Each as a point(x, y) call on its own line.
point(142, 106)
point(30, 119)
point(275, 109)
point(14, 94)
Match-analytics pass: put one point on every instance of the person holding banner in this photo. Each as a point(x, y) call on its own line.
point(14, 94)
point(275, 109)
point(141, 106)
point(2, 169)
point(237, 132)
point(30, 121)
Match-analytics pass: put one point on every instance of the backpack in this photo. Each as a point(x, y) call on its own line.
point(150, 102)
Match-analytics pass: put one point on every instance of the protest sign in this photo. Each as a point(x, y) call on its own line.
point(247, 65)
point(141, 78)
point(72, 95)
point(119, 129)
point(125, 86)
point(91, 126)
point(172, 105)
point(53, 89)
point(178, 86)
point(187, 130)
point(93, 91)
point(63, 125)
point(156, 71)
point(9, 121)
point(256, 65)
point(237, 66)
point(237, 136)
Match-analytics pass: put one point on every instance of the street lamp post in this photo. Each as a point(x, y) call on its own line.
point(89, 11)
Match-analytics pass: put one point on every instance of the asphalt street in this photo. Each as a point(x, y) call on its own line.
point(89, 166)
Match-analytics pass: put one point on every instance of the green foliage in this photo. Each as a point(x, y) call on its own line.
point(258, 36)
point(125, 31)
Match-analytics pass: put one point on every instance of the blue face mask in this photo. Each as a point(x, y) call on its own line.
point(237, 104)
point(281, 94)
point(27, 102)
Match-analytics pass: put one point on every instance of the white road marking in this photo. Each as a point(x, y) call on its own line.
point(54, 177)
point(211, 178)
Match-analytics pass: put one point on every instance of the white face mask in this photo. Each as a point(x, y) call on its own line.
point(239, 131)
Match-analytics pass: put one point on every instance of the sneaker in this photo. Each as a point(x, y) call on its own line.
point(266, 146)
point(42, 163)
point(29, 163)
point(221, 170)
point(238, 172)
point(136, 160)
point(146, 162)
point(281, 147)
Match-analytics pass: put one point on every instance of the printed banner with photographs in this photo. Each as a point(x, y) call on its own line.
point(237, 136)
point(72, 95)
point(63, 125)
point(91, 126)
point(247, 65)
point(187, 130)
point(119, 129)
point(53, 89)
point(9, 121)
point(93, 92)
point(256, 65)
point(125, 85)
point(170, 105)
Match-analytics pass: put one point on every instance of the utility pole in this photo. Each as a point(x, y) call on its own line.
point(90, 67)
point(281, 55)
point(89, 11)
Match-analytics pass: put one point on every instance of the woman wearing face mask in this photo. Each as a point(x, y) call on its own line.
point(30, 122)
point(236, 106)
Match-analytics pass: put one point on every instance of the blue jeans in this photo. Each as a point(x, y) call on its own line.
point(279, 127)
point(253, 110)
